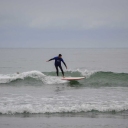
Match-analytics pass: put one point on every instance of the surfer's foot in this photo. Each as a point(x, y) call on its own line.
point(63, 76)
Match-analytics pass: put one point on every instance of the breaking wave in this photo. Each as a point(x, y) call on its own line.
point(93, 78)
point(61, 104)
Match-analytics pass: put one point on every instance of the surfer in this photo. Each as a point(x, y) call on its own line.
point(58, 60)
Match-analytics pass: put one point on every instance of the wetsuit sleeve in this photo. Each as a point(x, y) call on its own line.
point(52, 59)
point(64, 63)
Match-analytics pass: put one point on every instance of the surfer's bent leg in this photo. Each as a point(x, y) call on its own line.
point(61, 69)
point(57, 70)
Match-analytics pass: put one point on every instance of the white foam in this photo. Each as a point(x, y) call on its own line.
point(56, 105)
point(84, 72)
point(11, 77)
point(53, 80)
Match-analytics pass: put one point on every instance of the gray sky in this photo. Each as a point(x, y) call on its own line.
point(64, 23)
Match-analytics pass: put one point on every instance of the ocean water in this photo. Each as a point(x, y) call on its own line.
point(29, 85)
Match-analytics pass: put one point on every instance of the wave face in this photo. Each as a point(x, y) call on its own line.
point(108, 79)
point(93, 78)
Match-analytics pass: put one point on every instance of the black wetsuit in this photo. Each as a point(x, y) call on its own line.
point(58, 64)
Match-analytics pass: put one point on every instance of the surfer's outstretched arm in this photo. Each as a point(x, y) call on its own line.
point(50, 59)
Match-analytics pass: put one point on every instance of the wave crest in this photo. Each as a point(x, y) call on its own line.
point(61, 108)
point(37, 75)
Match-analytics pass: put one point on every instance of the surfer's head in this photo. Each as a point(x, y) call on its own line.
point(60, 55)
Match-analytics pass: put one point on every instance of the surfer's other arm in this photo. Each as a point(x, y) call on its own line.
point(64, 63)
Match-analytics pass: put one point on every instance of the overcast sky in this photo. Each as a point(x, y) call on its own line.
point(64, 23)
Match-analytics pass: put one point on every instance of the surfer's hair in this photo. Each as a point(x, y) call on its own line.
point(60, 55)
